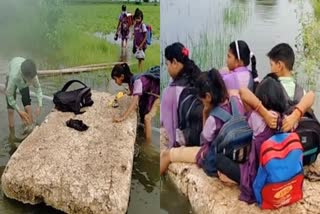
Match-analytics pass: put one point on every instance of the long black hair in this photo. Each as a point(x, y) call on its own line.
point(241, 51)
point(271, 94)
point(212, 82)
point(179, 52)
point(138, 14)
point(122, 68)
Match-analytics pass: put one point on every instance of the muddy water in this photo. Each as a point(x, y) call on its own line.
point(212, 25)
point(145, 186)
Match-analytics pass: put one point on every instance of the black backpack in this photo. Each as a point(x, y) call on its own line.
point(190, 116)
point(308, 128)
point(72, 101)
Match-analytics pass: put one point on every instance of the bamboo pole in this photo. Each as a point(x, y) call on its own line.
point(78, 69)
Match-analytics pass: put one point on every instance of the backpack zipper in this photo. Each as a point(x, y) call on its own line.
point(290, 142)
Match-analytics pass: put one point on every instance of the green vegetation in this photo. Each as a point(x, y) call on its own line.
point(308, 44)
point(60, 34)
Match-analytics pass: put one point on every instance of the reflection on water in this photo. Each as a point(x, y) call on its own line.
point(212, 25)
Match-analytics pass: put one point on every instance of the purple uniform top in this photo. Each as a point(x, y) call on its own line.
point(169, 111)
point(141, 87)
point(238, 78)
point(140, 31)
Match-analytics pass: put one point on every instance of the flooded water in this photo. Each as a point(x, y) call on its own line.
point(145, 185)
point(212, 25)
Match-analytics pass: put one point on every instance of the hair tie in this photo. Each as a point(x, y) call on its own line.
point(237, 49)
point(251, 54)
point(185, 51)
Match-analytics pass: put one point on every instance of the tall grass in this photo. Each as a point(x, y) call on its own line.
point(308, 44)
point(209, 47)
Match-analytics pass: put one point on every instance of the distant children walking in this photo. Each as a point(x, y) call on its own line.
point(123, 27)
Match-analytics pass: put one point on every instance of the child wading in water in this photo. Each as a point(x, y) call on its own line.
point(145, 92)
point(183, 72)
point(123, 27)
point(238, 74)
point(140, 38)
point(22, 74)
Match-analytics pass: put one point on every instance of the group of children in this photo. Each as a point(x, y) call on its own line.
point(265, 105)
point(139, 33)
point(144, 89)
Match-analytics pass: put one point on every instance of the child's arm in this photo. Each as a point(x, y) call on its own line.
point(252, 102)
point(133, 105)
point(305, 103)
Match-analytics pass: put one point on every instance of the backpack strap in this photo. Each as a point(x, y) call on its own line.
point(298, 93)
point(79, 99)
point(221, 114)
point(180, 108)
point(69, 83)
point(234, 107)
point(189, 111)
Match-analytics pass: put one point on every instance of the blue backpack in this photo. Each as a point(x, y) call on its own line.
point(234, 139)
point(280, 175)
point(149, 34)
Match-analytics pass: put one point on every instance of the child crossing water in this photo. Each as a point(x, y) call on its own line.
point(22, 74)
point(140, 38)
point(123, 27)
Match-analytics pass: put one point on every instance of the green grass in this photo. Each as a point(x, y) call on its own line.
point(104, 17)
point(91, 18)
point(61, 35)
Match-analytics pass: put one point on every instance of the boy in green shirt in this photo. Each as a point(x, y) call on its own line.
point(281, 61)
point(22, 73)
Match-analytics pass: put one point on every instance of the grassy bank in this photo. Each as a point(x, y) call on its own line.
point(58, 34)
point(91, 18)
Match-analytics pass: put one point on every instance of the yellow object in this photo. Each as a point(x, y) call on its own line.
point(119, 95)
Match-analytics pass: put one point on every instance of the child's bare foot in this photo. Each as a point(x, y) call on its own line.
point(164, 161)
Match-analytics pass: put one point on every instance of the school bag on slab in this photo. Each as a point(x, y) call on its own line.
point(280, 174)
point(234, 138)
point(73, 101)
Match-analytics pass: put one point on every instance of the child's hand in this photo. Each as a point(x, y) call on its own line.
point(290, 121)
point(271, 119)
